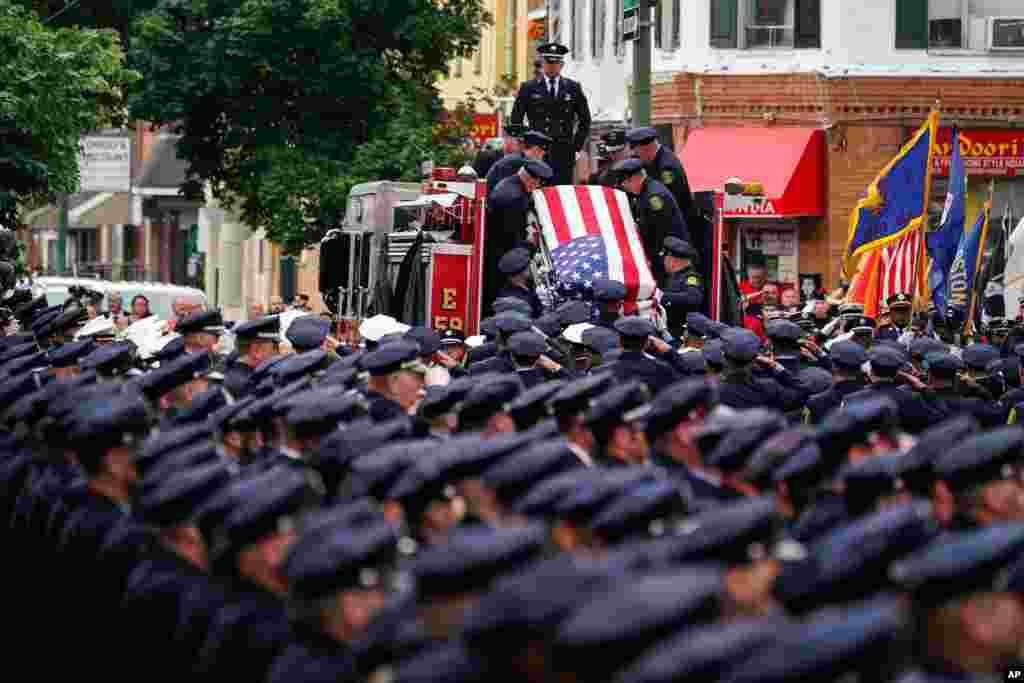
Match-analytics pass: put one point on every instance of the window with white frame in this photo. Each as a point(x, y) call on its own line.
point(765, 24)
point(618, 43)
point(577, 9)
point(598, 17)
point(554, 32)
point(677, 14)
point(995, 25)
point(659, 14)
point(666, 24)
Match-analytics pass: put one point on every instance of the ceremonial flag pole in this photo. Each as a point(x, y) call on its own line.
point(986, 211)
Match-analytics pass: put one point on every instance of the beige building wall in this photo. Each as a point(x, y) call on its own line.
point(476, 71)
point(523, 55)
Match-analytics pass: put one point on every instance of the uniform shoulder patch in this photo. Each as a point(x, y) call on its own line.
point(667, 177)
point(656, 202)
point(693, 281)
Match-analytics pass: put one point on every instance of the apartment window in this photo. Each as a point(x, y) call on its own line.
point(677, 20)
point(659, 14)
point(618, 43)
point(766, 24)
point(576, 28)
point(554, 32)
point(86, 246)
point(666, 24)
point(724, 23)
point(959, 24)
point(129, 244)
point(807, 24)
point(598, 12)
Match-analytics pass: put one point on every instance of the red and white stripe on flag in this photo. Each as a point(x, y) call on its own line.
point(566, 212)
point(899, 265)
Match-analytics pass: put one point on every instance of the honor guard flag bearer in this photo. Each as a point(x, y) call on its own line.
point(894, 211)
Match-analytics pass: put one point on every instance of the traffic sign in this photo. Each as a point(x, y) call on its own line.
point(631, 18)
point(104, 164)
point(629, 25)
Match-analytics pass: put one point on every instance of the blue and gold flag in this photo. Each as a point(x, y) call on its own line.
point(944, 242)
point(965, 267)
point(897, 201)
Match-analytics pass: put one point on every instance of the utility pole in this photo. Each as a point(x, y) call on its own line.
point(62, 233)
point(636, 27)
point(642, 68)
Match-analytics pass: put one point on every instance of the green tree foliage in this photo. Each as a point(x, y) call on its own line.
point(274, 99)
point(55, 85)
point(115, 14)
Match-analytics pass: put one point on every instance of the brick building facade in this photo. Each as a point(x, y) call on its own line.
point(866, 119)
point(857, 78)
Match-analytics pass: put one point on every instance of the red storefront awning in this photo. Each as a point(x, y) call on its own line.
point(788, 162)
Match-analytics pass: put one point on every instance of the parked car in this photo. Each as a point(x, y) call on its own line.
point(161, 296)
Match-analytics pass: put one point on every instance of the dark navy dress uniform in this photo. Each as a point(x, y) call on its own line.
point(237, 376)
point(559, 110)
point(684, 290)
point(527, 295)
point(531, 345)
point(384, 361)
point(246, 635)
point(850, 356)
point(657, 215)
point(638, 365)
point(607, 291)
point(781, 390)
point(508, 211)
point(500, 363)
point(955, 566)
point(321, 564)
point(510, 164)
point(507, 324)
point(506, 167)
point(916, 414)
point(950, 402)
point(667, 169)
point(670, 408)
point(513, 263)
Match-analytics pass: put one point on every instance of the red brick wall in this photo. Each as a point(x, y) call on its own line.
point(805, 98)
point(869, 118)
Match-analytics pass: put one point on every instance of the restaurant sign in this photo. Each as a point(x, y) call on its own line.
point(991, 152)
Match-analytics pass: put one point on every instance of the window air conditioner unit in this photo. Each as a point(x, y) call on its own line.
point(1006, 34)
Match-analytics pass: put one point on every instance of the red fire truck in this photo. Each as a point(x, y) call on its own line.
point(416, 252)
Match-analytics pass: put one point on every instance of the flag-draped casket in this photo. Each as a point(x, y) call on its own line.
point(590, 234)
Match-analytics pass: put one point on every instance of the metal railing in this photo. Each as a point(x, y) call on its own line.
point(769, 36)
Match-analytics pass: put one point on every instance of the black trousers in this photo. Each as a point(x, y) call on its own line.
point(561, 157)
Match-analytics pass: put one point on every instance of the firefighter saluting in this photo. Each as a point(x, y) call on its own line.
point(556, 107)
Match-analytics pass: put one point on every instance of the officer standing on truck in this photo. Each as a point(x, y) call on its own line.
point(557, 107)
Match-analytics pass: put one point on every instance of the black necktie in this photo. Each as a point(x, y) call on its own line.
point(551, 87)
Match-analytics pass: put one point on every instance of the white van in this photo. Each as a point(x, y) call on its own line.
point(161, 296)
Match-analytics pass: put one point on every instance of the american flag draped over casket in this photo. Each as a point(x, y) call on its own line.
point(590, 234)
